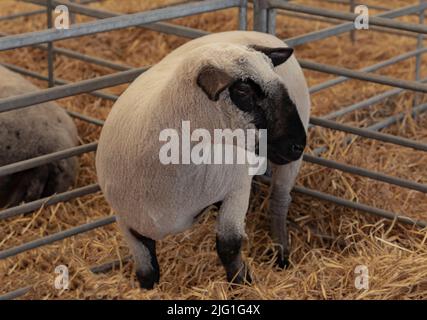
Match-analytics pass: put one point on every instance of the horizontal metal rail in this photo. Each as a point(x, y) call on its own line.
point(163, 27)
point(374, 67)
point(344, 2)
point(395, 118)
point(115, 23)
point(366, 173)
point(359, 206)
point(345, 27)
point(80, 56)
point(367, 133)
point(109, 220)
point(381, 125)
point(109, 265)
point(22, 15)
point(25, 72)
point(37, 204)
point(85, 86)
point(86, 118)
point(15, 294)
point(359, 75)
point(56, 237)
point(44, 159)
point(68, 90)
point(377, 21)
point(365, 103)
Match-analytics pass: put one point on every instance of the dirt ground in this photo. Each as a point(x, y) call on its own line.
point(327, 241)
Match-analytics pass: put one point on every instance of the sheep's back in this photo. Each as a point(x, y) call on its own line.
point(31, 131)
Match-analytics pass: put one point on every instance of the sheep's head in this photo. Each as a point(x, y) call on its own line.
point(245, 78)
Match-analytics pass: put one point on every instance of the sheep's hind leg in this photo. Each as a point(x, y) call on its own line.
point(230, 234)
point(144, 253)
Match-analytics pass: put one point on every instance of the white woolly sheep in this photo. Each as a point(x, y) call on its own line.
point(30, 132)
point(229, 80)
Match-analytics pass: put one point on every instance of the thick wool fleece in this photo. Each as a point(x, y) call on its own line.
point(30, 132)
point(157, 200)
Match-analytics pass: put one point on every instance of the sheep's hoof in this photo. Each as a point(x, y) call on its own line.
point(148, 280)
point(282, 260)
point(243, 276)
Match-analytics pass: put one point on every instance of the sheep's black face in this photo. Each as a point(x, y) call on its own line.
point(277, 113)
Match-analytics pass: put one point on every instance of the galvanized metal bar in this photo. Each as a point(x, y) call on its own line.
point(380, 125)
point(115, 23)
point(243, 15)
point(378, 21)
point(22, 14)
point(50, 53)
point(99, 94)
point(419, 57)
point(365, 103)
point(56, 237)
point(37, 204)
point(15, 294)
point(271, 20)
point(164, 27)
point(382, 64)
point(404, 84)
point(336, 22)
point(361, 207)
point(369, 134)
point(345, 27)
point(86, 118)
point(260, 15)
point(352, 31)
point(366, 173)
point(68, 90)
point(109, 265)
point(346, 2)
point(47, 158)
point(95, 60)
point(393, 119)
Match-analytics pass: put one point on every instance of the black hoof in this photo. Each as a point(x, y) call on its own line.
point(243, 276)
point(148, 280)
point(282, 260)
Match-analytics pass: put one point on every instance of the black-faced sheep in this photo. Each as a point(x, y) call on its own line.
point(234, 80)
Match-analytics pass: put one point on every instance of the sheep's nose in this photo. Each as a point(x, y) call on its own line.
point(296, 150)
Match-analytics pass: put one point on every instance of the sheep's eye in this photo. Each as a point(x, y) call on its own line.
point(244, 94)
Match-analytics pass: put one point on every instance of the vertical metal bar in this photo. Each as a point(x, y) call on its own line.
point(271, 20)
point(260, 15)
point(50, 52)
point(352, 32)
point(72, 14)
point(419, 56)
point(243, 15)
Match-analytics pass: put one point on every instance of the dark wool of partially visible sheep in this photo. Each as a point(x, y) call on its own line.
point(30, 132)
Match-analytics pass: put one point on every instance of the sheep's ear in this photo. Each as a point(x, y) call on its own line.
point(213, 81)
point(276, 55)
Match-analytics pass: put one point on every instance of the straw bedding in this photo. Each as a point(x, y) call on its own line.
point(327, 241)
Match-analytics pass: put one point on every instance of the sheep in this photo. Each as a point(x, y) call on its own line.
point(236, 79)
point(30, 132)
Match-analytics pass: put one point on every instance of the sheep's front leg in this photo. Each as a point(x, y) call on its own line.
point(144, 254)
point(280, 199)
point(230, 235)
